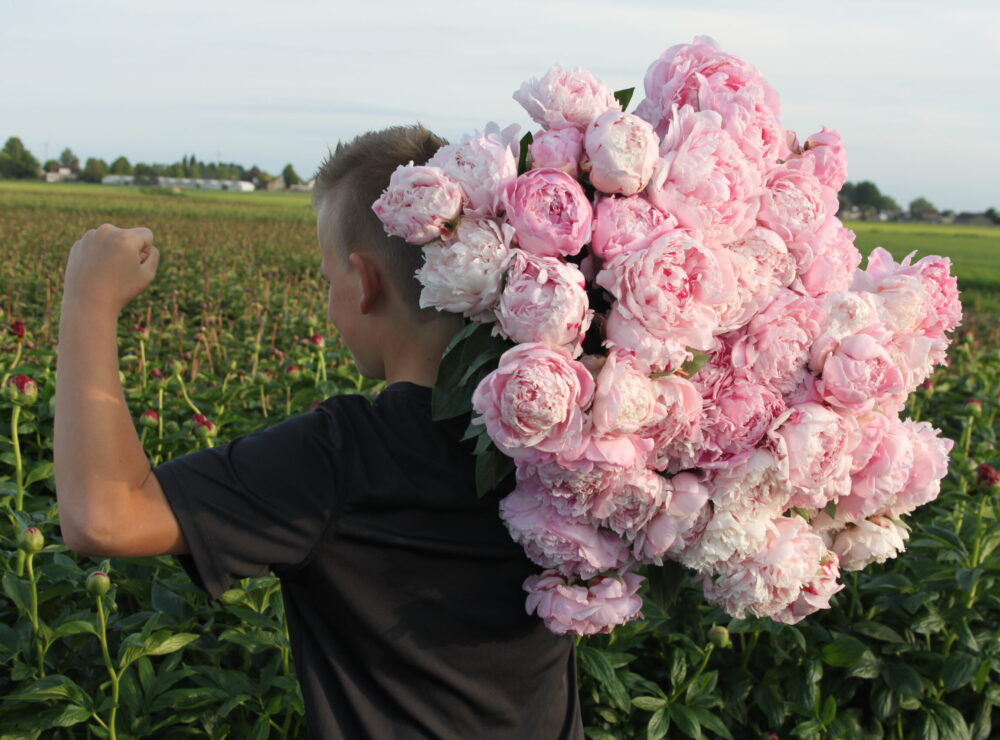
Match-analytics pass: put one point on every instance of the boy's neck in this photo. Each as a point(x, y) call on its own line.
point(413, 354)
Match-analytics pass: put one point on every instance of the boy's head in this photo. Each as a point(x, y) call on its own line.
point(359, 259)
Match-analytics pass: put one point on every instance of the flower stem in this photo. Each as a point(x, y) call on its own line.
point(103, 635)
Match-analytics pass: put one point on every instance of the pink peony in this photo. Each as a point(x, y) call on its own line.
point(464, 274)
point(814, 444)
point(553, 540)
point(565, 98)
point(482, 164)
point(627, 224)
point(625, 398)
point(701, 75)
point(549, 212)
point(930, 465)
point(625, 508)
point(543, 300)
point(597, 607)
point(703, 179)
point(881, 465)
point(575, 484)
point(944, 310)
point(796, 205)
point(420, 204)
point(737, 414)
point(872, 540)
point(833, 263)
point(829, 158)
point(673, 525)
point(621, 152)
point(816, 594)
point(773, 349)
point(665, 296)
point(559, 149)
point(860, 372)
point(751, 484)
point(772, 579)
point(674, 427)
point(534, 401)
point(728, 536)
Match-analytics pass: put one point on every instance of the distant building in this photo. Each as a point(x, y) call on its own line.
point(303, 187)
point(59, 175)
point(184, 183)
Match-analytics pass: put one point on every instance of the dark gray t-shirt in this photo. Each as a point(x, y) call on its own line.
point(402, 589)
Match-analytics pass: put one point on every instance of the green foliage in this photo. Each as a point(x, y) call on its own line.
point(909, 650)
point(121, 166)
point(290, 176)
point(94, 170)
point(16, 162)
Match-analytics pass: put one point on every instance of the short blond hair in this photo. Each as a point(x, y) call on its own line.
point(360, 170)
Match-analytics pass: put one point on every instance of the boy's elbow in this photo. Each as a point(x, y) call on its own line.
point(83, 541)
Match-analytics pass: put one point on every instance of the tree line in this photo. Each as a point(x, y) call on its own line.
point(17, 163)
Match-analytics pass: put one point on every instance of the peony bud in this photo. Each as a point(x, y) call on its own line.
point(16, 329)
point(149, 418)
point(988, 479)
point(203, 428)
point(98, 583)
point(317, 341)
point(973, 406)
point(22, 390)
point(719, 636)
point(176, 368)
point(30, 539)
point(294, 372)
point(311, 320)
point(142, 333)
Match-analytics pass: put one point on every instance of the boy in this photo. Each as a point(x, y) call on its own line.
point(402, 589)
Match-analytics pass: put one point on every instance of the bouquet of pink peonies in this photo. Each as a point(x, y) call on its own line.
point(672, 350)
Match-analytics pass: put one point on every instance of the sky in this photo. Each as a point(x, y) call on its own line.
point(911, 85)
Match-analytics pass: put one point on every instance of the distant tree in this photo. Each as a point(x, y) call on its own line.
point(847, 196)
point(51, 165)
point(920, 206)
point(251, 174)
point(885, 203)
point(68, 159)
point(176, 170)
point(143, 172)
point(263, 179)
point(16, 161)
point(866, 193)
point(121, 166)
point(992, 215)
point(94, 170)
point(291, 178)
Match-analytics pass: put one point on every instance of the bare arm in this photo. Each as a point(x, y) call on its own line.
point(110, 503)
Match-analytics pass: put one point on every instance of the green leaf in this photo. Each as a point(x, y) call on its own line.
point(624, 97)
point(927, 728)
point(902, 679)
point(522, 160)
point(658, 725)
point(74, 627)
point(261, 728)
point(648, 703)
point(958, 670)
point(596, 664)
point(18, 590)
point(712, 722)
point(829, 711)
point(697, 361)
point(42, 471)
point(809, 727)
point(844, 652)
point(665, 583)
point(831, 509)
point(492, 467)
point(877, 631)
point(51, 688)
point(686, 719)
point(68, 716)
point(951, 724)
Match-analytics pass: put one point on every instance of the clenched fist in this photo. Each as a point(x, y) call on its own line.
point(109, 267)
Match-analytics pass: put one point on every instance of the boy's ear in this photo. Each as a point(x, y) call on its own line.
point(370, 278)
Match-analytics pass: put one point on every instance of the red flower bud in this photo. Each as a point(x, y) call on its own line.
point(974, 406)
point(203, 428)
point(987, 476)
point(156, 374)
point(31, 539)
point(22, 390)
point(294, 372)
point(142, 332)
point(98, 583)
point(149, 418)
point(719, 636)
point(317, 340)
point(16, 329)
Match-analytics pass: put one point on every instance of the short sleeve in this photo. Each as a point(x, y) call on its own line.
point(261, 502)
